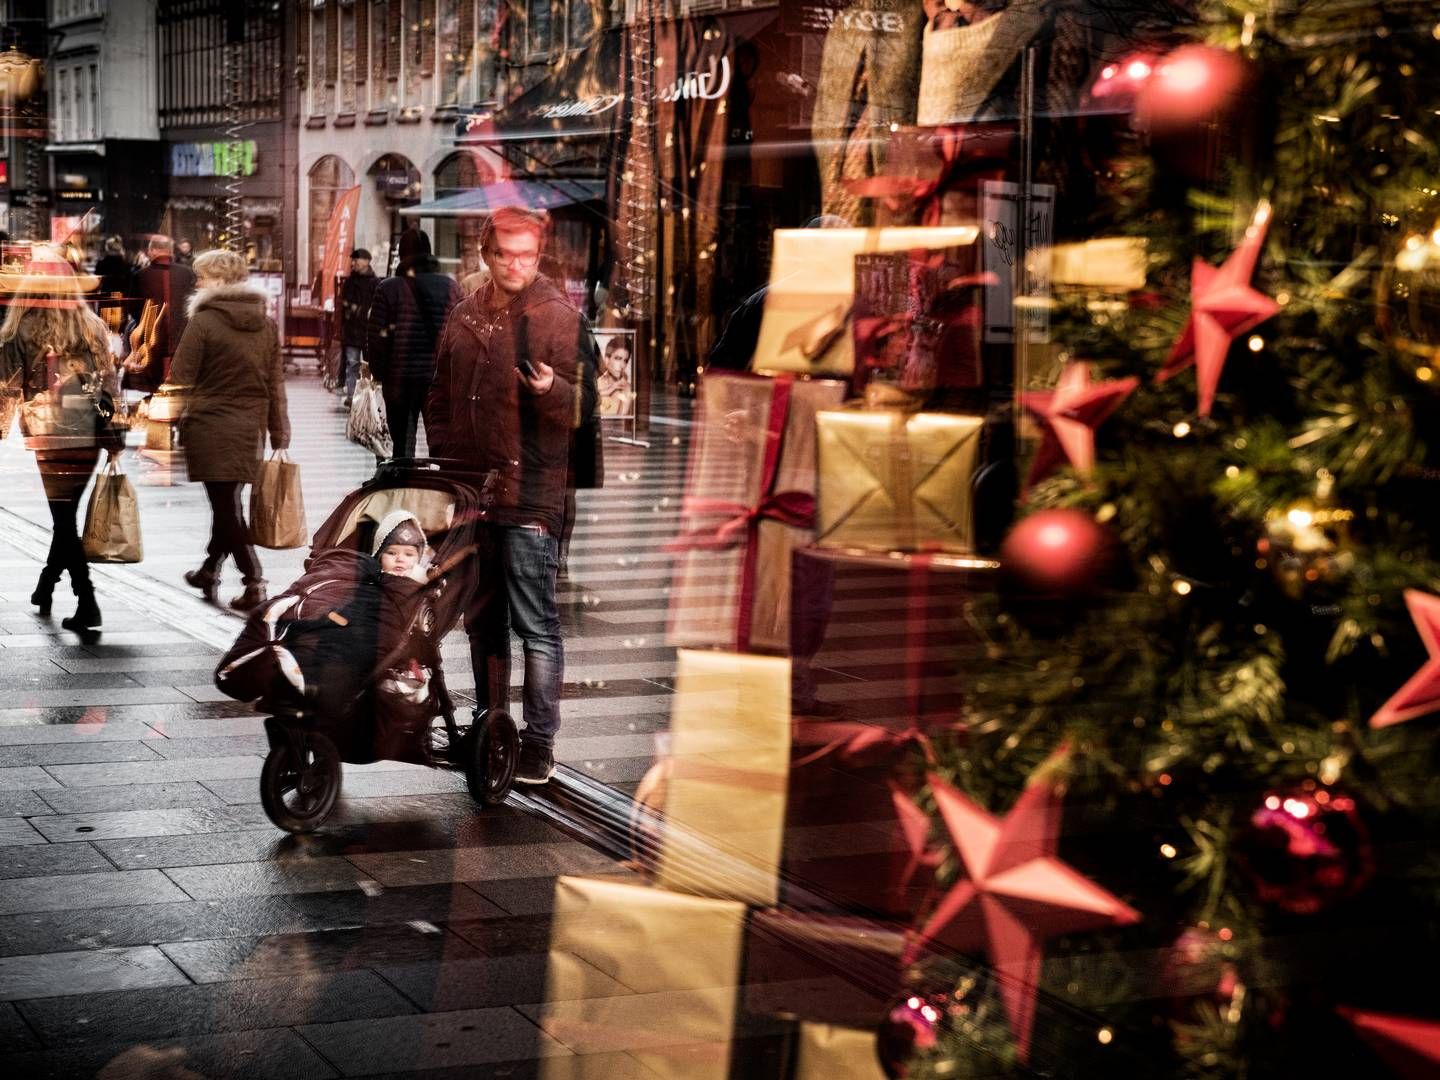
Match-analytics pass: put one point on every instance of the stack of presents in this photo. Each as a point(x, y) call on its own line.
point(840, 503)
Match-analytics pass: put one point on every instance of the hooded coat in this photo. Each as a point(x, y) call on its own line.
point(479, 413)
point(406, 316)
point(229, 363)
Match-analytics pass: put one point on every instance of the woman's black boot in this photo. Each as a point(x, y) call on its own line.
point(86, 620)
point(206, 580)
point(45, 590)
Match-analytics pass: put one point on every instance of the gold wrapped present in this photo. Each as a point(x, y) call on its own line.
point(730, 764)
point(1113, 264)
point(896, 481)
point(836, 1053)
point(806, 327)
point(645, 971)
point(750, 502)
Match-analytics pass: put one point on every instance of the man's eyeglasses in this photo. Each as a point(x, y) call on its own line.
point(523, 261)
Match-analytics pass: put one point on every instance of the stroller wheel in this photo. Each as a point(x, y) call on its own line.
point(300, 782)
point(490, 764)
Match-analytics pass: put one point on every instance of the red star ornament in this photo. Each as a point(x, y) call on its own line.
point(1071, 413)
point(1409, 1046)
point(1421, 694)
point(1222, 307)
point(1014, 893)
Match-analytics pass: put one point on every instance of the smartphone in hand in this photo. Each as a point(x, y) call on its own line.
point(526, 368)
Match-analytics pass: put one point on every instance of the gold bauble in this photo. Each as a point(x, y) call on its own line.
point(1306, 544)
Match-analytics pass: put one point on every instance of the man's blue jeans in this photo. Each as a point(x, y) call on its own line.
point(353, 355)
point(522, 598)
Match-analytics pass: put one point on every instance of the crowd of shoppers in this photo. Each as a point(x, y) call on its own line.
point(502, 371)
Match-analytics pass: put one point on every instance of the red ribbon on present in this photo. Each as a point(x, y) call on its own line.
point(954, 154)
point(796, 508)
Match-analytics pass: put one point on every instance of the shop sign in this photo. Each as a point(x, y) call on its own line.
point(76, 195)
point(591, 106)
point(1009, 254)
point(869, 16)
point(699, 85)
point(214, 158)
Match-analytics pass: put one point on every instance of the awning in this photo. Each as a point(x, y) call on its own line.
point(534, 194)
point(581, 96)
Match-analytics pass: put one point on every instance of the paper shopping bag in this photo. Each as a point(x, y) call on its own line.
point(277, 506)
point(112, 520)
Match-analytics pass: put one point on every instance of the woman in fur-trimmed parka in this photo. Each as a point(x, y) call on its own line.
point(229, 366)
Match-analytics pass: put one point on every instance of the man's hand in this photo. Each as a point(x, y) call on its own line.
point(541, 381)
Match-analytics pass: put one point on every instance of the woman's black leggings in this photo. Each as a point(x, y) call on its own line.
point(66, 552)
point(228, 535)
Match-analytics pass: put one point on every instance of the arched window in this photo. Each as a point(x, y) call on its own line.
point(457, 239)
point(329, 178)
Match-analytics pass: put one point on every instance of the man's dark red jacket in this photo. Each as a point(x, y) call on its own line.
point(479, 413)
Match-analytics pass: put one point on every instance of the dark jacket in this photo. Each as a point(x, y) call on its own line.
point(479, 413)
point(406, 318)
point(163, 282)
point(115, 277)
point(229, 361)
point(356, 295)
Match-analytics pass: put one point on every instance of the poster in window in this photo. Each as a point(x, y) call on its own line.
point(615, 382)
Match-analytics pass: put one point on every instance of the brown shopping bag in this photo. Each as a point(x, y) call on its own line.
point(277, 507)
point(112, 521)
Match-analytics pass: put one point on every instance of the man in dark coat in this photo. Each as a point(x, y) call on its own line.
point(356, 295)
point(406, 316)
point(514, 379)
point(163, 282)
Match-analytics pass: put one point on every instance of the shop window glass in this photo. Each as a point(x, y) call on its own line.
point(347, 58)
point(454, 51)
point(581, 24)
point(329, 178)
point(457, 240)
point(319, 54)
point(537, 28)
point(414, 58)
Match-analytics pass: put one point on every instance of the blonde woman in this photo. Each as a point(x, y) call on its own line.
point(229, 363)
point(52, 343)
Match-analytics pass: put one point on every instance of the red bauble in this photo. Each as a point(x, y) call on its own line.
point(1305, 850)
point(1060, 552)
point(911, 1028)
point(1189, 85)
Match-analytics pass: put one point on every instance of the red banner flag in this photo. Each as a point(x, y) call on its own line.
point(339, 239)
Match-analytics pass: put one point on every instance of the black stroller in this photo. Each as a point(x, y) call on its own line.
point(346, 661)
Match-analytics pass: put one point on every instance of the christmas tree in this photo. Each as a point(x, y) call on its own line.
point(1189, 775)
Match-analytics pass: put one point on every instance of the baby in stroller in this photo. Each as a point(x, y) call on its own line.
point(346, 661)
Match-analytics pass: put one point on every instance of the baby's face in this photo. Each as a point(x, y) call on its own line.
point(399, 558)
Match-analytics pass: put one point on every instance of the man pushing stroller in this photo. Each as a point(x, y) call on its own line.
point(514, 378)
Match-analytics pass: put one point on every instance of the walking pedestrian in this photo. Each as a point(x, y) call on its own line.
point(184, 253)
point(230, 368)
point(57, 347)
point(514, 380)
point(168, 286)
point(356, 296)
point(406, 317)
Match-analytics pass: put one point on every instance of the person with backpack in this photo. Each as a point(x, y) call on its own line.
point(406, 317)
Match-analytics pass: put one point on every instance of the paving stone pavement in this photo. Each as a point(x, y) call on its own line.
point(152, 918)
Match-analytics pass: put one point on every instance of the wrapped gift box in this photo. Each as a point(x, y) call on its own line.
point(827, 1052)
point(832, 969)
point(645, 971)
point(729, 762)
point(897, 481)
point(879, 645)
point(933, 176)
point(918, 318)
point(749, 503)
point(806, 326)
